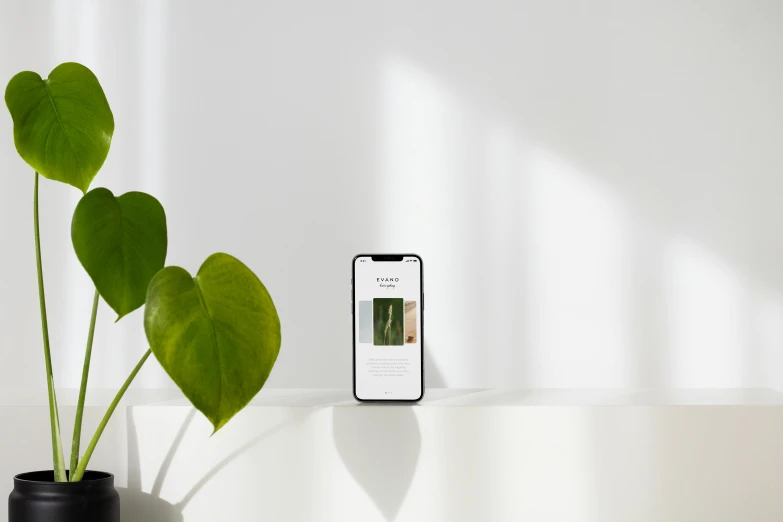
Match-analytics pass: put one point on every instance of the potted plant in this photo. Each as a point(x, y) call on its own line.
point(217, 334)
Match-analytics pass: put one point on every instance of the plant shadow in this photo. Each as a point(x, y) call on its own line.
point(138, 505)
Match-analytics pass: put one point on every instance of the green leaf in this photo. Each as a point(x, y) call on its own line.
point(217, 334)
point(121, 242)
point(62, 125)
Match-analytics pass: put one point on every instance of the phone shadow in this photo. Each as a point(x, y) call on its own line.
point(433, 377)
point(380, 447)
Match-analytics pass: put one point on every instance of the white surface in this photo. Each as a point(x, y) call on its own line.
point(594, 187)
point(544, 455)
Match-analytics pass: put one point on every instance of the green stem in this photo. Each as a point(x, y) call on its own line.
point(54, 418)
point(79, 473)
point(77, 424)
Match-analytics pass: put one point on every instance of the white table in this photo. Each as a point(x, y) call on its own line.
point(472, 455)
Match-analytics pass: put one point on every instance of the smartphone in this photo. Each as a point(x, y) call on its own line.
point(387, 306)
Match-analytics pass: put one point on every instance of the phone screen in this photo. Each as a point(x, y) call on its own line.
point(387, 327)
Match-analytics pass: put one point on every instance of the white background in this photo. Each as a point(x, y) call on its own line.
point(594, 186)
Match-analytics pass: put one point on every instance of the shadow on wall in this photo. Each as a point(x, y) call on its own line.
point(380, 447)
point(136, 504)
point(433, 377)
point(555, 274)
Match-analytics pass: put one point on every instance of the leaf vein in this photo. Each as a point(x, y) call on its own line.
point(214, 339)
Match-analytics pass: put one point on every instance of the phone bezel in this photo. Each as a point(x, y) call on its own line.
point(390, 258)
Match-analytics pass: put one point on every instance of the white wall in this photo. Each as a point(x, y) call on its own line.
point(593, 186)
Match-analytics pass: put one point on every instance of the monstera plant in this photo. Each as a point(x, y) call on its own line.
point(217, 334)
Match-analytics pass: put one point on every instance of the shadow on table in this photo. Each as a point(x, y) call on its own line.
point(138, 505)
point(380, 444)
point(380, 447)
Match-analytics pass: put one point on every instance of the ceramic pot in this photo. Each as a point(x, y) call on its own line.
point(37, 498)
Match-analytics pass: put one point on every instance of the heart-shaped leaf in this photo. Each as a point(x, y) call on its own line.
point(217, 334)
point(121, 242)
point(62, 125)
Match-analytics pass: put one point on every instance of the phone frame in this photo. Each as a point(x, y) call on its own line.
point(391, 258)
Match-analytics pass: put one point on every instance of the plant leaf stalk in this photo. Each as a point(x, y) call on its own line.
point(77, 424)
point(79, 473)
point(54, 418)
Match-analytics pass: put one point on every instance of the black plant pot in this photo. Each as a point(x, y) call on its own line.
point(37, 498)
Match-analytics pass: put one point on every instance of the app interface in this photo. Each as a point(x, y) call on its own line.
point(387, 328)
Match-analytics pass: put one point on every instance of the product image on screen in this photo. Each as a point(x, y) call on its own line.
point(410, 322)
point(387, 328)
point(387, 322)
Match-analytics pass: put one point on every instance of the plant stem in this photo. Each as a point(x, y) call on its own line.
point(54, 418)
point(77, 424)
point(79, 473)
